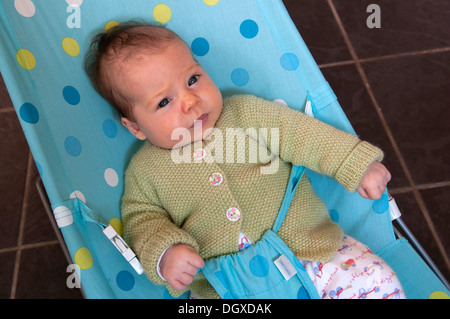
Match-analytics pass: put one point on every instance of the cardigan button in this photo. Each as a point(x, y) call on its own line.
point(233, 214)
point(215, 179)
point(199, 154)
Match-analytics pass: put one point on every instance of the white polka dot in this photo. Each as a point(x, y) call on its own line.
point(25, 7)
point(281, 102)
point(74, 3)
point(63, 216)
point(111, 177)
point(79, 195)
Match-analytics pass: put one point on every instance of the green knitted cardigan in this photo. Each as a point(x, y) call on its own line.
point(167, 202)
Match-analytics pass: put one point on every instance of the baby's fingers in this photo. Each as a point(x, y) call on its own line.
point(362, 192)
point(181, 281)
point(197, 262)
point(376, 192)
point(373, 192)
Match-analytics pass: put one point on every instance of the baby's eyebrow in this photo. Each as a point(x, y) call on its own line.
point(154, 97)
point(193, 66)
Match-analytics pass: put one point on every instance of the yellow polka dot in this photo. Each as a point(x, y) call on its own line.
point(26, 59)
point(117, 225)
point(211, 2)
point(162, 13)
point(111, 24)
point(71, 46)
point(439, 295)
point(83, 258)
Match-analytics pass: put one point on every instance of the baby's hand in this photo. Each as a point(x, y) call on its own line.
point(179, 265)
point(374, 181)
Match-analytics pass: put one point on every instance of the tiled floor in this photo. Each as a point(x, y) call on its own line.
point(393, 83)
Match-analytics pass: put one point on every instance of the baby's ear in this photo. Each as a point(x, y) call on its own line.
point(133, 128)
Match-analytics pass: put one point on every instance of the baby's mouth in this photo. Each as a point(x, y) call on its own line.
point(200, 121)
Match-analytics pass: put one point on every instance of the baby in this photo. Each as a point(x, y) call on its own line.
point(178, 214)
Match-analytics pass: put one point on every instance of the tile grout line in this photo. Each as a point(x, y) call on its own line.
point(21, 228)
point(30, 246)
point(370, 92)
point(384, 57)
point(364, 78)
point(405, 54)
point(7, 110)
point(407, 189)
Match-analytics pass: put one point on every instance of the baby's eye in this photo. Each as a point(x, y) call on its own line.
point(193, 80)
point(164, 102)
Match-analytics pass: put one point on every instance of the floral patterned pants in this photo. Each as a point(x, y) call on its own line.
point(354, 273)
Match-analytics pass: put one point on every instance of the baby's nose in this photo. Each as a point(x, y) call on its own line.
point(190, 101)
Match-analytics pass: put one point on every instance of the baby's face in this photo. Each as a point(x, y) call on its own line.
point(171, 91)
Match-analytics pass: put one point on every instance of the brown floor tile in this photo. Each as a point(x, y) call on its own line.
point(359, 109)
point(42, 274)
point(406, 25)
point(7, 262)
point(437, 201)
point(413, 95)
point(416, 222)
point(319, 30)
point(12, 177)
point(5, 100)
point(37, 224)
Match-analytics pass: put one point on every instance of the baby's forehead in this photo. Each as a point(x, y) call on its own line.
point(122, 66)
point(141, 53)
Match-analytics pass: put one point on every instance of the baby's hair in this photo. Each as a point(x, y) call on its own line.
point(122, 42)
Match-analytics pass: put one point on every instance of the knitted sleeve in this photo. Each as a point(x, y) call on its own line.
point(147, 227)
point(306, 141)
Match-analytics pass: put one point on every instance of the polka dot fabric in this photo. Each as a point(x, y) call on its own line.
point(81, 149)
point(259, 272)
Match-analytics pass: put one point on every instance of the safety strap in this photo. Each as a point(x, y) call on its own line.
point(296, 174)
point(74, 211)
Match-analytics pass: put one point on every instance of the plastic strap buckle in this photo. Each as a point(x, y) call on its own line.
point(393, 208)
point(123, 248)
